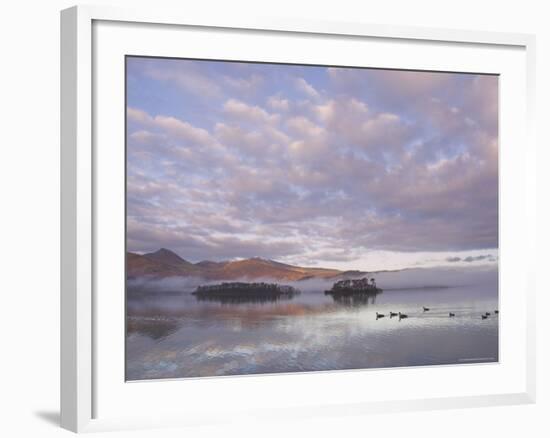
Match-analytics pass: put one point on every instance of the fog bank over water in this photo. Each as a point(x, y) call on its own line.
point(176, 335)
point(404, 279)
point(437, 277)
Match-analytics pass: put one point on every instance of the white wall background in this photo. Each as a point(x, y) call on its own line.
point(29, 215)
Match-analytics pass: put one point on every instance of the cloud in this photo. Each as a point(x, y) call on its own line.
point(258, 144)
point(244, 85)
point(394, 86)
point(278, 104)
point(304, 127)
point(380, 160)
point(306, 88)
point(145, 137)
point(471, 259)
point(453, 259)
point(250, 113)
point(181, 129)
point(184, 240)
point(351, 121)
point(138, 116)
point(185, 75)
point(161, 128)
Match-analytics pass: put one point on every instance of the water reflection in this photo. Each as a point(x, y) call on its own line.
point(354, 300)
point(154, 328)
point(235, 299)
point(180, 335)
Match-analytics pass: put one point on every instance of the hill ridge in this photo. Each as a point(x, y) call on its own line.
point(167, 263)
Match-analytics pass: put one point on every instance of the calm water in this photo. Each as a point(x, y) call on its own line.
point(172, 334)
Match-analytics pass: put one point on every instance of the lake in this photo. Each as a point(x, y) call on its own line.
point(171, 334)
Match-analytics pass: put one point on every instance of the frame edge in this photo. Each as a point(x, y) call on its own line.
point(76, 337)
point(75, 271)
point(531, 200)
point(68, 220)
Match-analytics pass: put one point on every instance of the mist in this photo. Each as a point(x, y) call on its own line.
point(415, 278)
point(437, 277)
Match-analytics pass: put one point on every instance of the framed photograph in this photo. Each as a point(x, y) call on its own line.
point(262, 208)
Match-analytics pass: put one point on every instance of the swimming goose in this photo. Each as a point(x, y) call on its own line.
point(496, 312)
point(425, 309)
point(483, 316)
point(379, 315)
point(392, 314)
point(487, 313)
point(402, 315)
point(451, 314)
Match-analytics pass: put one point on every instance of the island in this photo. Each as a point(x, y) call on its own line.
point(238, 292)
point(356, 287)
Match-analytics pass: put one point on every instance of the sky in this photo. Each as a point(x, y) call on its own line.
point(349, 168)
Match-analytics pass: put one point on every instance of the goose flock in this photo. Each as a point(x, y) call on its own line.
point(392, 314)
point(401, 316)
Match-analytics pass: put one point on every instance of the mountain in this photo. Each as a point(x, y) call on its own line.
point(166, 263)
point(140, 266)
point(167, 257)
point(261, 268)
point(208, 264)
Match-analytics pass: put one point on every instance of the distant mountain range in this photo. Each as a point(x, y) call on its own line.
point(166, 263)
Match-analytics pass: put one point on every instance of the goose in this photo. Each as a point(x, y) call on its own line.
point(483, 316)
point(487, 313)
point(379, 315)
point(425, 309)
point(402, 315)
point(392, 314)
point(451, 314)
point(496, 312)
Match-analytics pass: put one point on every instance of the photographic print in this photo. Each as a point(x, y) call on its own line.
point(287, 218)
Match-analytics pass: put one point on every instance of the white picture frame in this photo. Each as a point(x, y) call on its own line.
point(84, 384)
